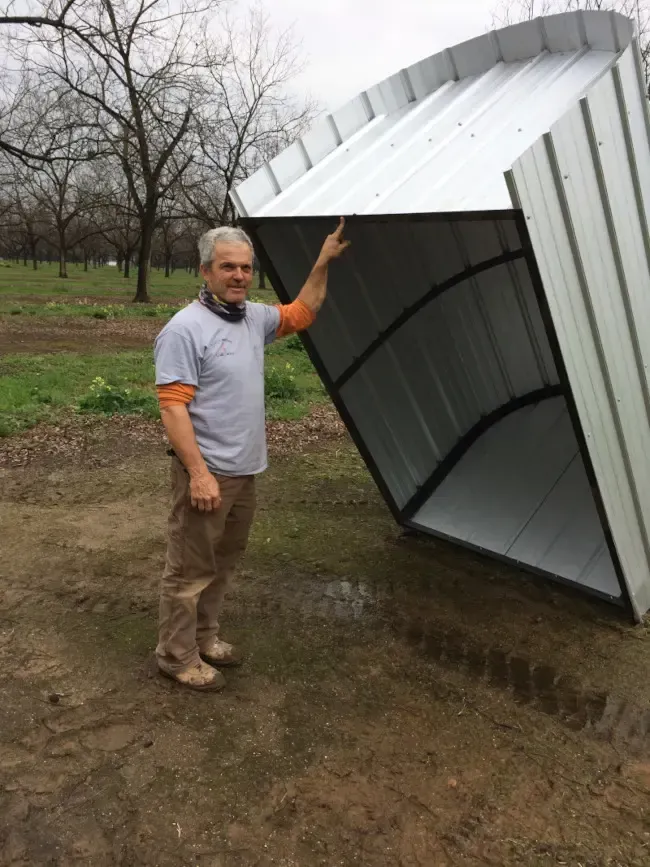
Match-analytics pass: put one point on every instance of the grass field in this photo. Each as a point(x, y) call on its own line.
point(19, 281)
point(43, 385)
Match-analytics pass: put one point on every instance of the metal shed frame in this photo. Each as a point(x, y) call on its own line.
point(570, 216)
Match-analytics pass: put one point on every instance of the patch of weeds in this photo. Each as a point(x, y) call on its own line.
point(36, 388)
point(9, 427)
point(294, 344)
point(280, 383)
point(105, 399)
point(113, 311)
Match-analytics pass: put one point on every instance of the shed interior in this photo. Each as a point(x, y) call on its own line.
point(434, 345)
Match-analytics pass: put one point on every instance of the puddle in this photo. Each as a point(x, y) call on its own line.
point(339, 599)
point(344, 600)
point(601, 715)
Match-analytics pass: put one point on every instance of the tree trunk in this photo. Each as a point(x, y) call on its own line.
point(63, 265)
point(127, 266)
point(262, 278)
point(144, 257)
point(168, 262)
point(85, 261)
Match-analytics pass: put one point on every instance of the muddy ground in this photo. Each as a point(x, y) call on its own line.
point(402, 703)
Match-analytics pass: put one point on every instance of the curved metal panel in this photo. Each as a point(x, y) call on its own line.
point(521, 493)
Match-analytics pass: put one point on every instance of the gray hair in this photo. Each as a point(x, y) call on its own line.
point(226, 234)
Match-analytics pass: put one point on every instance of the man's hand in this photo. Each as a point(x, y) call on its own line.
point(334, 245)
point(204, 492)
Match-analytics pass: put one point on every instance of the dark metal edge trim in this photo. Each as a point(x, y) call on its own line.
point(252, 223)
point(620, 602)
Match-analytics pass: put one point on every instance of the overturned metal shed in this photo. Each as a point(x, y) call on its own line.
point(486, 340)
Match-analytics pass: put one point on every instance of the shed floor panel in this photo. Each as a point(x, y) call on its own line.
point(522, 492)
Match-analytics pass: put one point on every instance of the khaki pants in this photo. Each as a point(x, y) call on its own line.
point(202, 550)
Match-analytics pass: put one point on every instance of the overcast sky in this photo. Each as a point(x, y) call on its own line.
point(352, 44)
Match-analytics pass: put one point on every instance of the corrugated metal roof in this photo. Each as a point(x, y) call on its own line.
point(439, 135)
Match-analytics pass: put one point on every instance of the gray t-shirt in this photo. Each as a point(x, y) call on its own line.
point(225, 361)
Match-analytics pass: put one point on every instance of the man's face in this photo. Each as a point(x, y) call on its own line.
point(230, 274)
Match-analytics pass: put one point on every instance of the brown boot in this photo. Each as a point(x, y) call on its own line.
point(200, 677)
point(220, 653)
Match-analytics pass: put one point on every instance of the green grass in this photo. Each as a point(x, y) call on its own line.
point(91, 309)
point(36, 388)
point(18, 283)
point(99, 309)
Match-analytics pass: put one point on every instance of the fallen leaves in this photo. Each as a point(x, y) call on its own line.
point(98, 440)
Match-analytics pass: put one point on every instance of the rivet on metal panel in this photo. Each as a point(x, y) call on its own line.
point(520, 130)
point(566, 177)
point(460, 123)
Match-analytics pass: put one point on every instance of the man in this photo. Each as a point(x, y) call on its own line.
point(210, 381)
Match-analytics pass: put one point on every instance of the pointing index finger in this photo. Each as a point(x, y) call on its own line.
point(341, 226)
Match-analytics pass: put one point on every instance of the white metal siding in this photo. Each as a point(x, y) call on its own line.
point(584, 189)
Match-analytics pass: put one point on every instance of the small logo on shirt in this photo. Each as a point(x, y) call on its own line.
point(224, 348)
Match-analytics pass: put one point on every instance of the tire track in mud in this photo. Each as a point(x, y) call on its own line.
point(599, 714)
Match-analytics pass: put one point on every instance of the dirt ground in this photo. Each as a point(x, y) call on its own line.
point(81, 334)
point(401, 703)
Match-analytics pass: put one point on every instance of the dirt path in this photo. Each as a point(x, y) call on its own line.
point(401, 703)
point(47, 334)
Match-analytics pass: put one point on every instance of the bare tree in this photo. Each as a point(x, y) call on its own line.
point(29, 221)
point(249, 114)
point(512, 11)
point(118, 223)
point(135, 63)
